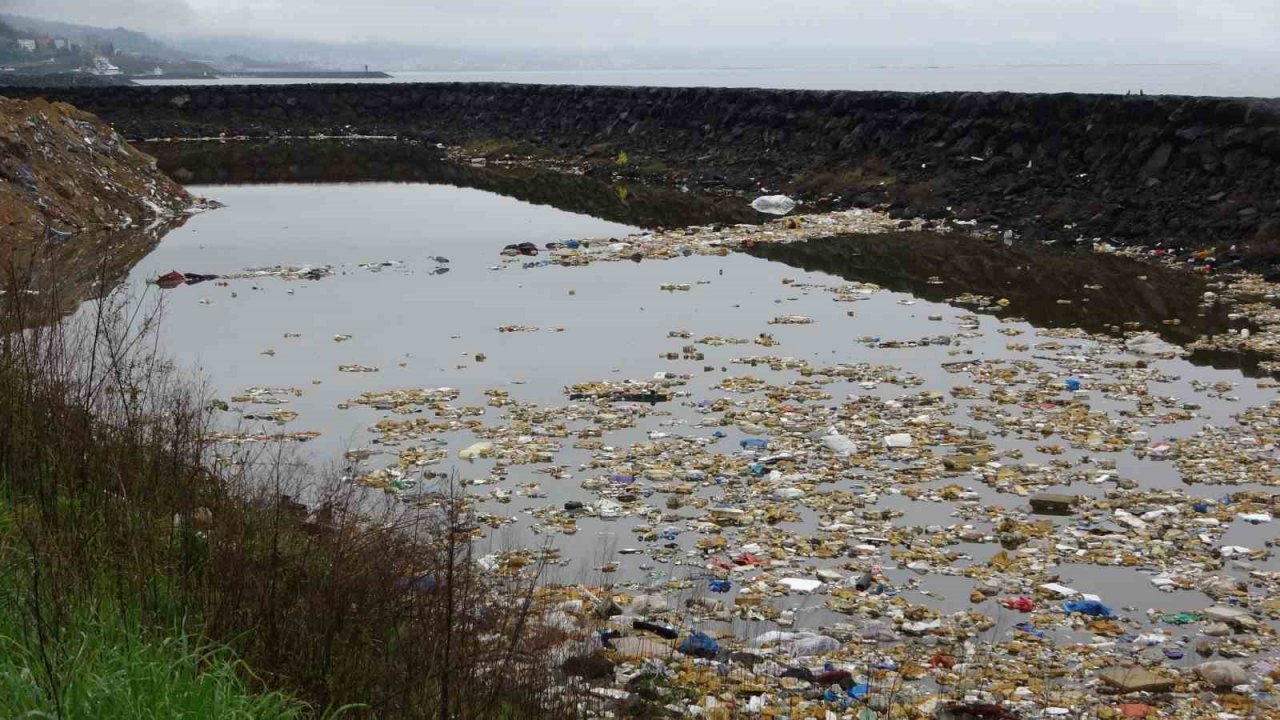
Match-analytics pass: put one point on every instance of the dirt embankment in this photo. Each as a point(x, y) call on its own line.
point(78, 208)
point(64, 172)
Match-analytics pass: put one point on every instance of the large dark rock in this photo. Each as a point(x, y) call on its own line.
point(1044, 162)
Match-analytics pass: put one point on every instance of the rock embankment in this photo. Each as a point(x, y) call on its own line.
point(1202, 172)
point(64, 172)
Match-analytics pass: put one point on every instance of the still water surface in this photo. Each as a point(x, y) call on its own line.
point(422, 328)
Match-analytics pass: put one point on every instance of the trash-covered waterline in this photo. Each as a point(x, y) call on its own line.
point(766, 491)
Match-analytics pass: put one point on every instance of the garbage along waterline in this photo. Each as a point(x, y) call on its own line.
point(613, 322)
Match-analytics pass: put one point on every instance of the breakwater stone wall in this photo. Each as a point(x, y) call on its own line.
point(1190, 171)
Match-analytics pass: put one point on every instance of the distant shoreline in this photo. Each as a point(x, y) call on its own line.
point(305, 74)
point(1187, 80)
point(82, 79)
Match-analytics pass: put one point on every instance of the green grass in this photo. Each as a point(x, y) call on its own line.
point(499, 147)
point(650, 166)
point(105, 670)
point(98, 661)
point(864, 177)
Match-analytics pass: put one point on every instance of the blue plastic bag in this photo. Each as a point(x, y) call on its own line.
point(1092, 608)
point(700, 645)
point(1030, 629)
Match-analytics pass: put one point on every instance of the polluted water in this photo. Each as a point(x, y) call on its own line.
point(761, 489)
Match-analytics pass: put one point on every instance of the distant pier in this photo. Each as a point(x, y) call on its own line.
point(308, 74)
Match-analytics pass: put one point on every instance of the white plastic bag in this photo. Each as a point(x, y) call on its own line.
point(774, 204)
point(840, 445)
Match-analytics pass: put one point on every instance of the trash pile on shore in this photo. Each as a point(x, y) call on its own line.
point(1248, 296)
point(1252, 298)
point(63, 171)
point(710, 239)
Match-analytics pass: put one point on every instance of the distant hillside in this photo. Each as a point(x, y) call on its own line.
point(197, 55)
point(121, 38)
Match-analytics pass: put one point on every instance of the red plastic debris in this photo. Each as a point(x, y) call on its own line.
point(832, 677)
point(171, 279)
point(942, 660)
point(1021, 603)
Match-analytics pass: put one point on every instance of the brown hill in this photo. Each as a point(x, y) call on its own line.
point(63, 171)
point(78, 207)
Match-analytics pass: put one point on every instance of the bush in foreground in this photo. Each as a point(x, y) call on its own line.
point(122, 521)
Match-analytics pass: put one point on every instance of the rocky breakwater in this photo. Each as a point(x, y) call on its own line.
point(1199, 172)
point(78, 204)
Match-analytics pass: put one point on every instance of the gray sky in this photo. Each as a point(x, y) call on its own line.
point(1164, 26)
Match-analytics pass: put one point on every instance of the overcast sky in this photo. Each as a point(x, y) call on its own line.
point(1164, 26)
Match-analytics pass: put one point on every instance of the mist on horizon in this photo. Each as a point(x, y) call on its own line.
point(399, 34)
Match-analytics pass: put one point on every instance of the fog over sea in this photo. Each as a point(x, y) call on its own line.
point(1190, 79)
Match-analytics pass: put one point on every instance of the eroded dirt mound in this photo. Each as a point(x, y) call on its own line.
point(78, 208)
point(63, 171)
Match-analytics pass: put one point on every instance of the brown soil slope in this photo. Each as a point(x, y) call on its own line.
point(65, 171)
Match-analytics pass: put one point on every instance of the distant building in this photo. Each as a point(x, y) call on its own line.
point(61, 44)
point(44, 43)
point(102, 66)
point(28, 44)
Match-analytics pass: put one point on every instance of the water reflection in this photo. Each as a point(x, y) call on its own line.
point(251, 162)
point(53, 278)
point(1105, 293)
point(1047, 287)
